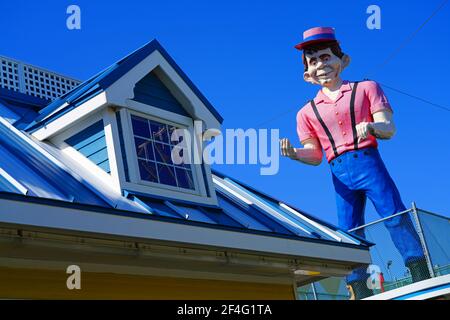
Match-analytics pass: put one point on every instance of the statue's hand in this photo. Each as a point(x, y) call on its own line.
point(363, 130)
point(287, 149)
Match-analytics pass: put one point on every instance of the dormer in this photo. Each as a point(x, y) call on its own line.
point(118, 125)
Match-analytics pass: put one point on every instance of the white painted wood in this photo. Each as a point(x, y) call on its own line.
point(81, 160)
point(71, 118)
point(163, 191)
point(158, 113)
point(73, 130)
point(123, 88)
point(113, 147)
point(411, 288)
point(139, 185)
point(45, 216)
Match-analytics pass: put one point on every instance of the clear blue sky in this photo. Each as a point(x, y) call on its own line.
point(240, 54)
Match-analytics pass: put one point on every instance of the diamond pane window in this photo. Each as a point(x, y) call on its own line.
point(159, 131)
point(153, 149)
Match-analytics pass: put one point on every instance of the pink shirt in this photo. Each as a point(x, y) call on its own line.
point(336, 115)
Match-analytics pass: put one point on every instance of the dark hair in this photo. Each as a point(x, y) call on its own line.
point(314, 47)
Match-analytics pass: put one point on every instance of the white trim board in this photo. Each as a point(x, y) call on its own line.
point(45, 216)
point(415, 287)
point(71, 118)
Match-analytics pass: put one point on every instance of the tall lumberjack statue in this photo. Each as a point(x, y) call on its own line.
point(345, 119)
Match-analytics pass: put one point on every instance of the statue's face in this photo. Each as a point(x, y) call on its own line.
point(324, 67)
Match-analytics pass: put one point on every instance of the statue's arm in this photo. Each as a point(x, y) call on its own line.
point(383, 126)
point(311, 153)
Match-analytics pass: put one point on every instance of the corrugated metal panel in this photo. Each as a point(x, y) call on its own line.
point(321, 228)
point(150, 90)
point(6, 186)
point(91, 143)
point(7, 113)
point(9, 184)
point(38, 174)
point(245, 214)
point(267, 213)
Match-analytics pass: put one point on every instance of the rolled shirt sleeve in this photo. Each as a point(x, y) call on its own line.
point(377, 98)
point(304, 128)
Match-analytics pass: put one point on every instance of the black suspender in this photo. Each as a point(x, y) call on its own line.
point(330, 137)
point(352, 116)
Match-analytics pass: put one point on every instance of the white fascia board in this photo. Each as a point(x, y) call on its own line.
point(158, 112)
point(65, 104)
point(74, 219)
point(414, 287)
point(123, 89)
point(70, 118)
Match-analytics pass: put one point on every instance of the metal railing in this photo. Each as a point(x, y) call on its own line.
point(433, 231)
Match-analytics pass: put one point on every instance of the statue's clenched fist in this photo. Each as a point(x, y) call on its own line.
point(363, 130)
point(287, 149)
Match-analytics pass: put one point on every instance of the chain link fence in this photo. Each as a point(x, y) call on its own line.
point(388, 270)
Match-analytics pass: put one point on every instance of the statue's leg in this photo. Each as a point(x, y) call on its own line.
point(350, 205)
point(382, 191)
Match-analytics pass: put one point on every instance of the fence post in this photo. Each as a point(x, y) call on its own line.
point(422, 239)
point(313, 287)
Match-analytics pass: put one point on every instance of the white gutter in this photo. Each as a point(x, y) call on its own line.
point(76, 219)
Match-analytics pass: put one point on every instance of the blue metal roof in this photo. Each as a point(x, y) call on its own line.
point(38, 174)
point(24, 107)
point(106, 78)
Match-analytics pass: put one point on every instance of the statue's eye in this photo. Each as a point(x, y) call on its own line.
point(325, 57)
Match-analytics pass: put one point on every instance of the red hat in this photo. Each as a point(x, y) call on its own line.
point(314, 35)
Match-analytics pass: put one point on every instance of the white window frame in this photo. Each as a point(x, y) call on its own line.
point(200, 194)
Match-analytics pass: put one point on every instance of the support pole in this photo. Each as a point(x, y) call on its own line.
point(422, 239)
point(313, 287)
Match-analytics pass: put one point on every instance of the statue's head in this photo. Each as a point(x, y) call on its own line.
point(322, 56)
point(324, 62)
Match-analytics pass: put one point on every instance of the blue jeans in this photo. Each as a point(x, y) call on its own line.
point(360, 174)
